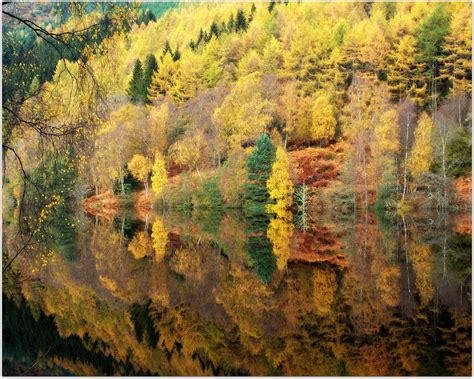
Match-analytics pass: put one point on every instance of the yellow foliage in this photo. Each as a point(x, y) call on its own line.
point(324, 123)
point(250, 63)
point(387, 132)
point(159, 235)
point(140, 245)
point(139, 167)
point(186, 152)
point(324, 290)
point(272, 56)
point(405, 73)
point(388, 282)
point(159, 177)
point(163, 80)
point(244, 114)
point(279, 185)
point(279, 232)
point(158, 120)
point(423, 265)
point(457, 62)
point(422, 150)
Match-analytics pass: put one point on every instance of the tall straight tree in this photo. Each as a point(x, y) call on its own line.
point(430, 37)
point(405, 73)
point(259, 168)
point(151, 66)
point(241, 21)
point(457, 61)
point(136, 86)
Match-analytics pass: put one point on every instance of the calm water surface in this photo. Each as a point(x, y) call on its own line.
point(205, 294)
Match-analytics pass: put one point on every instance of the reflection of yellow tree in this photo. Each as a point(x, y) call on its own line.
point(280, 231)
point(246, 300)
point(388, 283)
point(159, 235)
point(140, 245)
point(423, 265)
point(280, 189)
point(324, 290)
point(186, 261)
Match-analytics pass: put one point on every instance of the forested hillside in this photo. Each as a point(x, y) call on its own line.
point(274, 188)
point(355, 105)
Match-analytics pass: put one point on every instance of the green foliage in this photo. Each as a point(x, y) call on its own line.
point(260, 161)
point(430, 36)
point(151, 66)
point(387, 196)
point(459, 154)
point(136, 88)
point(208, 195)
point(52, 203)
point(240, 21)
point(259, 168)
point(261, 257)
point(180, 196)
point(271, 6)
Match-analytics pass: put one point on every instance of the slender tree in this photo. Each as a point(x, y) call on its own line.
point(151, 67)
point(136, 87)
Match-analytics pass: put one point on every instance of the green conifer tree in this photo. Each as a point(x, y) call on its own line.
point(176, 55)
point(151, 66)
point(214, 29)
point(136, 86)
point(231, 23)
point(241, 21)
point(259, 168)
point(166, 50)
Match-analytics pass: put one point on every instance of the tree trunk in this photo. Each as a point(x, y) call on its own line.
point(405, 165)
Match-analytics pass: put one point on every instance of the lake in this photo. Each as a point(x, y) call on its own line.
point(205, 293)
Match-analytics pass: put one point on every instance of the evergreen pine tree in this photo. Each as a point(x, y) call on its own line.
point(241, 21)
point(271, 6)
point(430, 37)
point(231, 23)
point(223, 27)
point(151, 66)
point(176, 55)
point(136, 87)
point(200, 37)
point(214, 29)
point(252, 12)
point(259, 168)
point(253, 9)
point(166, 50)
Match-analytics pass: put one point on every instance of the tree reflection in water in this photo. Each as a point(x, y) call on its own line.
point(194, 296)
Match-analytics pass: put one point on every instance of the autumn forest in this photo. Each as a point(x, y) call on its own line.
point(260, 188)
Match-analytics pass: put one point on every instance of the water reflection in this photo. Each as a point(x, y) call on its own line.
point(207, 294)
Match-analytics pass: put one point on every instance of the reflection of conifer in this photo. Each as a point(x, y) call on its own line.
point(262, 258)
point(259, 167)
